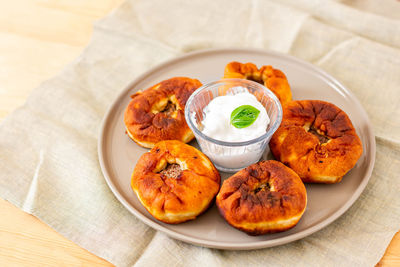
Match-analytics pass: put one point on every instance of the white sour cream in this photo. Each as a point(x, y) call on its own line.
point(217, 115)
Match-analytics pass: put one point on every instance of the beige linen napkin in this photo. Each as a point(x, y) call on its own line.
point(48, 148)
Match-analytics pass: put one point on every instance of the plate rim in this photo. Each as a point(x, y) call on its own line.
point(229, 245)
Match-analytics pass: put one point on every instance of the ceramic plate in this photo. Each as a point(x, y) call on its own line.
point(118, 154)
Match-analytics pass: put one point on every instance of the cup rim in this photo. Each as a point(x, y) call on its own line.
point(269, 133)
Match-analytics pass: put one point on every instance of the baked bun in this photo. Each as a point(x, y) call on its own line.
point(157, 113)
point(175, 182)
point(317, 140)
point(274, 79)
point(265, 197)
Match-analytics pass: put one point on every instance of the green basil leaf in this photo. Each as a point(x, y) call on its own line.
point(244, 116)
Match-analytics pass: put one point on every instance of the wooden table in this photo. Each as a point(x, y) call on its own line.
point(37, 39)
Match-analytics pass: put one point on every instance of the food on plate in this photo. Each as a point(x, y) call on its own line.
point(265, 197)
point(157, 113)
point(274, 79)
point(235, 118)
point(317, 140)
point(175, 182)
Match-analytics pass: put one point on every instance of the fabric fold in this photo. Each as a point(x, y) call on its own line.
point(367, 25)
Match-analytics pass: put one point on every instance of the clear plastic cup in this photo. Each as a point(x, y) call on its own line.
point(232, 156)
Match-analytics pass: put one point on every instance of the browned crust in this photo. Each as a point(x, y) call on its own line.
point(302, 151)
point(242, 203)
point(175, 200)
point(273, 79)
point(147, 128)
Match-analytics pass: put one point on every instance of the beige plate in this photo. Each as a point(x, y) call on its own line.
point(118, 154)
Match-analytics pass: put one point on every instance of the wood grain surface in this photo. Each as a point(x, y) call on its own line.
point(37, 39)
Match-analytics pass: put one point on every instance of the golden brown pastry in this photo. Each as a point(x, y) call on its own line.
point(274, 79)
point(175, 182)
point(265, 197)
point(157, 113)
point(317, 140)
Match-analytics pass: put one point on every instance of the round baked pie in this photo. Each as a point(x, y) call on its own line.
point(274, 79)
point(265, 197)
point(175, 182)
point(157, 113)
point(317, 140)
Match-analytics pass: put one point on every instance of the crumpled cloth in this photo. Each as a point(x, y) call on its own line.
point(48, 148)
